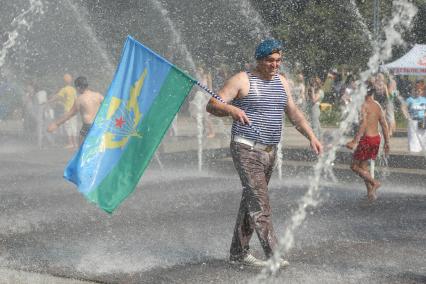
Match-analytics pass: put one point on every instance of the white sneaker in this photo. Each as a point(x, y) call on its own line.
point(250, 260)
point(283, 263)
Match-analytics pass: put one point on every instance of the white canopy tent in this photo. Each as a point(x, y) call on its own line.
point(412, 63)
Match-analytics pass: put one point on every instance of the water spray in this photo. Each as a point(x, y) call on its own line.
point(259, 28)
point(177, 38)
point(20, 23)
point(80, 15)
point(402, 16)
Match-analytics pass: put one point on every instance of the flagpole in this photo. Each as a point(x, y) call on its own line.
point(211, 93)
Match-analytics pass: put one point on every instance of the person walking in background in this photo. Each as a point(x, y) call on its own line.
point(28, 112)
point(67, 96)
point(87, 104)
point(393, 96)
point(415, 111)
point(347, 90)
point(299, 91)
point(336, 87)
point(199, 102)
point(315, 95)
point(257, 100)
point(43, 115)
point(347, 93)
point(367, 140)
point(222, 74)
point(207, 80)
point(382, 97)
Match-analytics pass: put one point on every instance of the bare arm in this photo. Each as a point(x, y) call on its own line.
point(298, 120)
point(315, 96)
point(387, 91)
point(404, 109)
point(385, 130)
point(60, 96)
point(362, 125)
point(54, 98)
point(229, 91)
point(361, 130)
point(73, 111)
point(303, 92)
point(209, 81)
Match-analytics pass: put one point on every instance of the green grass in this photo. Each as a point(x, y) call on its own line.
point(330, 118)
point(401, 121)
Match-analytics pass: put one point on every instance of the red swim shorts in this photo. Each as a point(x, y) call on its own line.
point(367, 148)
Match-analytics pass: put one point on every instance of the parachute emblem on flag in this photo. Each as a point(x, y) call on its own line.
point(120, 122)
point(125, 119)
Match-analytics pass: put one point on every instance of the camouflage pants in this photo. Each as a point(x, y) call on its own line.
point(255, 169)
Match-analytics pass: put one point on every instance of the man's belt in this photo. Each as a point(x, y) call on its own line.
point(253, 144)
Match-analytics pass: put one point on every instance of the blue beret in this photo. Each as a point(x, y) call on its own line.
point(266, 47)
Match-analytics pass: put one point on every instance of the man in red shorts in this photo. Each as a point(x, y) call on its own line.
point(368, 140)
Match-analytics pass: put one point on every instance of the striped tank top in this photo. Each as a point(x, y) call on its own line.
point(264, 106)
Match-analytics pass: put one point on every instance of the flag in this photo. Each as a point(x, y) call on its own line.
point(142, 101)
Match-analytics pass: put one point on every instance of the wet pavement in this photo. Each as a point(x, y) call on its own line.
point(177, 226)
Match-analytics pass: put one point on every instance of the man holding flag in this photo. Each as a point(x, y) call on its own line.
point(257, 101)
point(141, 103)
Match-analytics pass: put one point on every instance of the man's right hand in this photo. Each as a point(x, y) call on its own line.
point(52, 127)
point(316, 146)
point(351, 144)
point(238, 115)
point(386, 148)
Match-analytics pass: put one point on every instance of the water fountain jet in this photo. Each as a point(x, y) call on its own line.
point(20, 23)
point(402, 16)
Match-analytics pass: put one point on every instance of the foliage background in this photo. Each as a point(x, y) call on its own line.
point(322, 35)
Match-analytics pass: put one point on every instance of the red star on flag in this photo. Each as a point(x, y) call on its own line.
point(119, 122)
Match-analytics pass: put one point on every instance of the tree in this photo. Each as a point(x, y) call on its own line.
point(418, 33)
point(324, 35)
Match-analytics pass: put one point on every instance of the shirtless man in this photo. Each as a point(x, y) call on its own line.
point(87, 103)
point(368, 140)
